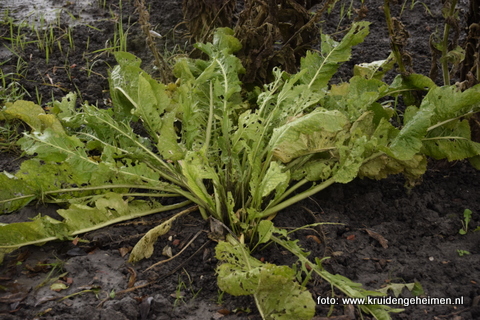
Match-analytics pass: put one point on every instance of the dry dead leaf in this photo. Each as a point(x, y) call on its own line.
point(124, 250)
point(167, 251)
point(133, 277)
point(314, 238)
point(225, 312)
point(15, 297)
point(383, 242)
point(75, 241)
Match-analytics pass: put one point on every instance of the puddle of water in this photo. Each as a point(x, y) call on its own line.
point(44, 12)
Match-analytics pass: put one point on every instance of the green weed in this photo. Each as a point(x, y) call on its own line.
point(10, 132)
point(10, 88)
point(179, 294)
point(413, 3)
point(467, 216)
point(55, 273)
point(220, 300)
point(462, 253)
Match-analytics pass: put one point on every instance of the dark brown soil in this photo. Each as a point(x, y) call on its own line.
point(421, 225)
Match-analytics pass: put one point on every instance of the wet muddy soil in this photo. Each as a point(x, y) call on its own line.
point(387, 234)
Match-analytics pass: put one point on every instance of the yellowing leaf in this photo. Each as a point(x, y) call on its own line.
point(58, 286)
point(26, 111)
point(33, 115)
point(312, 133)
point(144, 248)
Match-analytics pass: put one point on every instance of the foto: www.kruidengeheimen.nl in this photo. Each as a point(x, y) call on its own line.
point(390, 301)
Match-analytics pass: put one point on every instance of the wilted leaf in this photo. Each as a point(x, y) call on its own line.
point(33, 115)
point(58, 286)
point(144, 248)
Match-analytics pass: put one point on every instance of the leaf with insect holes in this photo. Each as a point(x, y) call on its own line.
point(451, 141)
point(275, 177)
point(66, 113)
point(150, 106)
point(449, 102)
point(345, 285)
point(375, 69)
point(167, 144)
point(277, 294)
point(79, 218)
point(312, 133)
point(12, 188)
point(358, 96)
point(321, 67)
point(51, 146)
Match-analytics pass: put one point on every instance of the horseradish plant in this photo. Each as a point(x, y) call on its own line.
point(239, 156)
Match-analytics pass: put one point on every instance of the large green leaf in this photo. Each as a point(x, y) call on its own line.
point(51, 146)
point(451, 141)
point(321, 67)
point(313, 133)
point(408, 142)
point(437, 116)
point(101, 211)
